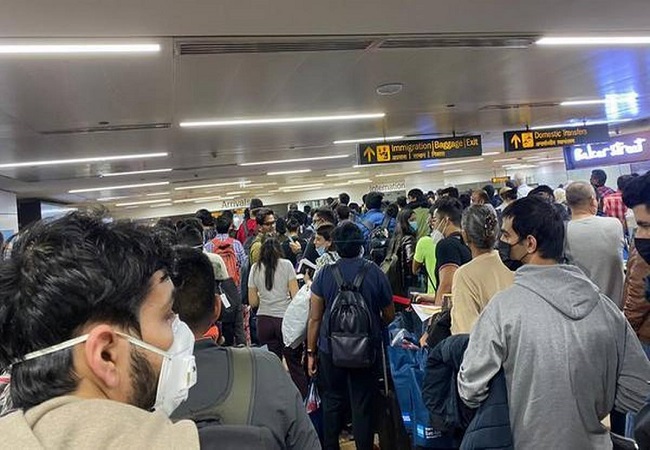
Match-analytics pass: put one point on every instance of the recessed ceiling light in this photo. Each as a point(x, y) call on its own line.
point(583, 102)
point(390, 88)
point(285, 161)
point(145, 202)
point(202, 186)
point(371, 139)
point(595, 40)
point(137, 172)
point(449, 163)
point(289, 172)
point(452, 171)
point(82, 160)
point(113, 188)
point(342, 174)
point(49, 49)
point(395, 174)
point(491, 153)
point(279, 120)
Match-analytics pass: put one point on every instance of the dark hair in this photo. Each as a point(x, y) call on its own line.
point(403, 227)
point(325, 231)
point(622, 181)
point(194, 286)
point(205, 217)
point(247, 214)
point(451, 191)
point(166, 222)
point(329, 201)
point(256, 203)
point(373, 200)
point(343, 212)
point(223, 224)
point(511, 185)
point(293, 225)
point(401, 201)
point(354, 207)
point(533, 216)
point(190, 236)
point(281, 225)
point(451, 208)
point(392, 210)
point(510, 194)
point(481, 226)
point(465, 200)
point(483, 196)
point(344, 198)
point(326, 214)
point(63, 274)
point(599, 176)
point(261, 215)
point(637, 191)
point(417, 194)
point(348, 239)
point(293, 207)
point(489, 190)
point(228, 213)
point(269, 257)
point(307, 209)
point(543, 191)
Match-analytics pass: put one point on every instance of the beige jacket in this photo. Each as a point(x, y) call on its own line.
point(72, 423)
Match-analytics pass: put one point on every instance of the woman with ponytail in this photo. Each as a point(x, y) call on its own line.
point(476, 282)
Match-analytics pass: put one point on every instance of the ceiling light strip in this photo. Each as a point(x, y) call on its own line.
point(372, 139)
point(449, 163)
point(203, 186)
point(279, 120)
point(137, 172)
point(289, 172)
point(82, 160)
point(144, 202)
point(343, 174)
point(112, 188)
point(49, 49)
point(583, 102)
point(594, 40)
point(286, 161)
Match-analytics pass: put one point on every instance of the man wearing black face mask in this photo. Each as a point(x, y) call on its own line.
point(636, 295)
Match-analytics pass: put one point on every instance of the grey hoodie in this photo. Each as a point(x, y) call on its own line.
point(568, 354)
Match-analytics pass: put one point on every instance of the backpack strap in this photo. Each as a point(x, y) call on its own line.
point(338, 276)
point(236, 407)
point(368, 224)
point(386, 221)
point(358, 280)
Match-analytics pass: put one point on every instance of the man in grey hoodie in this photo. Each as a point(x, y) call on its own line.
point(568, 354)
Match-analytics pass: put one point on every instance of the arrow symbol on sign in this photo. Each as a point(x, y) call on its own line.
point(516, 141)
point(369, 153)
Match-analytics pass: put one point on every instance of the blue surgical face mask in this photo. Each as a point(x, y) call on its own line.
point(320, 250)
point(414, 226)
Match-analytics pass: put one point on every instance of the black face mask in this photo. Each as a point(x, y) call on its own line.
point(643, 247)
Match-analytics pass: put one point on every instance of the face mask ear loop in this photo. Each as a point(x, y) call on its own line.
point(144, 345)
point(49, 350)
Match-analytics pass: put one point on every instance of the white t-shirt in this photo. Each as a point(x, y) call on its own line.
point(273, 303)
point(595, 245)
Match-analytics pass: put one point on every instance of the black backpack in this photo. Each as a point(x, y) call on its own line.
point(350, 324)
point(379, 240)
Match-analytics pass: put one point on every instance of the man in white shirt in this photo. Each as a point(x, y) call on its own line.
point(522, 188)
point(593, 243)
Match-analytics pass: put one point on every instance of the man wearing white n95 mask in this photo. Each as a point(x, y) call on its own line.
point(90, 339)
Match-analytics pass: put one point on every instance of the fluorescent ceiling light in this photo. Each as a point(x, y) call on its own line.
point(288, 188)
point(131, 207)
point(284, 161)
point(449, 163)
point(214, 200)
point(491, 153)
point(49, 49)
point(395, 174)
point(579, 124)
point(202, 186)
point(342, 174)
point(237, 193)
point(504, 160)
point(111, 188)
point(155, 194)
point(316, 188)
point(145, 202)
point(372, 139)
point(198, 199)
point(519, 166)
point(161, 205)
point(279, 120)
point(55, 162)
point(583, 102)
point(595, 40)
point(453, 171)
point(137, 172)
point(532, 158)
point(363, 181)
point(552, 161)
point(289, 172)
point(110, 199)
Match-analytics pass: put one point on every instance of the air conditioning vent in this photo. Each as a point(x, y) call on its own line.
point(458, 41)
point(110, 128)
point(506, 107)
point(221, 47)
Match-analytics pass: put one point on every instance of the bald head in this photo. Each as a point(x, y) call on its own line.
point(580, 195)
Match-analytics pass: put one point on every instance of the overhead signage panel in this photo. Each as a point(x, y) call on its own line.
point(554, 137)
point(500, 180)
point(418, 150)
point(625, 149)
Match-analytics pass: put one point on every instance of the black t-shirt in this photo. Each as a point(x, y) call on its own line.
point(290, 255)
point(451, 250)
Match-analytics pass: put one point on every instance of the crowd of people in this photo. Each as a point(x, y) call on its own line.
point(543, 290)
